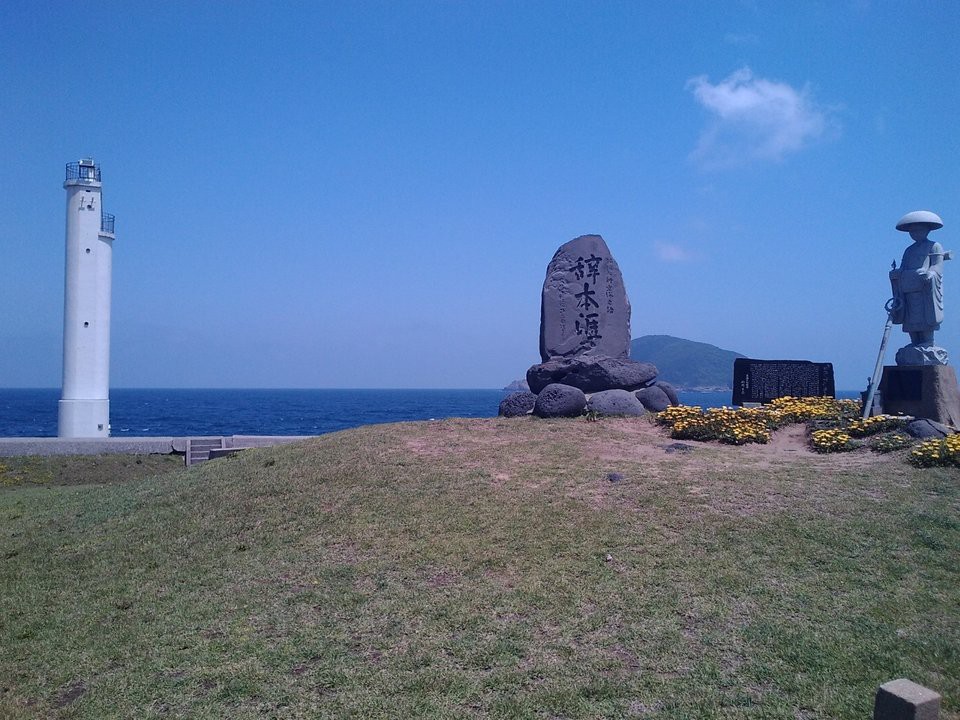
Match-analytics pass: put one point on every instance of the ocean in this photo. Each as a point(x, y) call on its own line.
point(153, 413)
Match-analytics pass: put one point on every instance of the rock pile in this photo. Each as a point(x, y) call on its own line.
point(585, 343)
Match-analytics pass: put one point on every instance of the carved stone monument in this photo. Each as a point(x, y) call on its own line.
point(921, 383)
point(585, 337)
point(584, 308)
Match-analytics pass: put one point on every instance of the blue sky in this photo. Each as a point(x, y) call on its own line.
point(367, 194)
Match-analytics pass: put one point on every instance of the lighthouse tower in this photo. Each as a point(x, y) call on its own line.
point(84, 410)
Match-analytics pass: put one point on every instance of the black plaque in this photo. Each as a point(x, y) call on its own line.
point(760, 381)
point(902, 384)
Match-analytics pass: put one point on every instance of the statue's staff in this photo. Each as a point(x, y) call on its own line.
point(892, 306)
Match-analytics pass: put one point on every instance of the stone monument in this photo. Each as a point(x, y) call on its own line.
point(585, 341)
point(921, 383)
point(584, 308)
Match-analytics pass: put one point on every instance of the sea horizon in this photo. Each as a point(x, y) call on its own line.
point(184, 412)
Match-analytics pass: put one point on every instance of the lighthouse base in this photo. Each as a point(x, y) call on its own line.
point(83, 419)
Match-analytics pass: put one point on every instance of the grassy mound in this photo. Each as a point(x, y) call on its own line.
point(483, 568)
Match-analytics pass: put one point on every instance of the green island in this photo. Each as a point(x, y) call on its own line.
point(517, 568)
point(686, 364)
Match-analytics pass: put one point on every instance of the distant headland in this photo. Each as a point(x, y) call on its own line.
point(686, 364)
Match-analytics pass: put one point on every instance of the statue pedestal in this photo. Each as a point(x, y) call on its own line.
point(924, 391)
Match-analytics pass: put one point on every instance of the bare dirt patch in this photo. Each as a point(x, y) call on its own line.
point(612, 440)
point(631, 463)
point(71, 693)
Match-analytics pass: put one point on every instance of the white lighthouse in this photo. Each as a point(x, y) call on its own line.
point(84, 410)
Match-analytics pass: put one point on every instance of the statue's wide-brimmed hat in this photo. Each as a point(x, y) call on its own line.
point(919, 217)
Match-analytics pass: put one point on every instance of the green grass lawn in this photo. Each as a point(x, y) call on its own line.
point(477, 568)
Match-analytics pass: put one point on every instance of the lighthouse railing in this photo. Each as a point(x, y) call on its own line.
point(83, 171)
point(106, 223)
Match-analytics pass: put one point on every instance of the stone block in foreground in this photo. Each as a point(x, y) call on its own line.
point(905, 700)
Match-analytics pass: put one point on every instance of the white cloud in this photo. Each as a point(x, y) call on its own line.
point(669, 252)
point(754, 119)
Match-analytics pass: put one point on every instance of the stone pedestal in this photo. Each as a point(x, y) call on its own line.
point(924, 391)
point(905, 700)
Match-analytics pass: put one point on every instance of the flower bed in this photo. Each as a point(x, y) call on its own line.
point(834, 426)
point(937, 452)
point(734, 427)
point(835, 440)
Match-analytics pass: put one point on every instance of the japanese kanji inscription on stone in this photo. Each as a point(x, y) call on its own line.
point(584, 308)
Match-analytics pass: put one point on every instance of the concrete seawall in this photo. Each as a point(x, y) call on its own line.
point(11, 447)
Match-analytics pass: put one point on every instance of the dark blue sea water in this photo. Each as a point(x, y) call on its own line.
point(145, 413)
